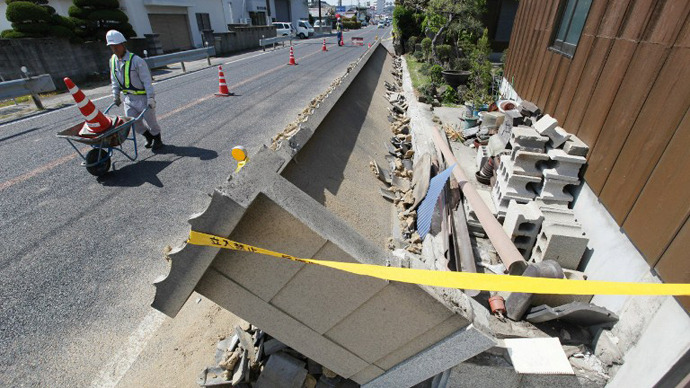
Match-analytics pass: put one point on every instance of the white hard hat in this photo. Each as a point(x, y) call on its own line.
point(114, 37)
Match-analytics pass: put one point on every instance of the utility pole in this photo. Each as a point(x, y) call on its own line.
point(320, 21)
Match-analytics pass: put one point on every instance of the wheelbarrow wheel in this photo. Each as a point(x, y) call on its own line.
point(95, 155)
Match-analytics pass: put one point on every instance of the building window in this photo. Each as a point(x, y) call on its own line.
point(573, 14)
point(258, 18)
point(203, 21)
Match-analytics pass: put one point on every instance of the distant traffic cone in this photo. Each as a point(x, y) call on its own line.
point(369, 45)
point(222, 86)
point(323, 48)
point(292, 57)
point(96, 121)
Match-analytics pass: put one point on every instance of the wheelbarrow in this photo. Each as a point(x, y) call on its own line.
point(97, 160)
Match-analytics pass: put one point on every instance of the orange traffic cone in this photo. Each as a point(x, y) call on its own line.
point(369, 45)
point(323, 48)
point(96, 121)
point(222, 86)
point(292, 57)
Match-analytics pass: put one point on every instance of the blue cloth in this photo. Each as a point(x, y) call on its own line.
point(426, 209)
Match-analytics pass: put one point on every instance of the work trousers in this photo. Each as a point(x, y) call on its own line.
point(134, 105)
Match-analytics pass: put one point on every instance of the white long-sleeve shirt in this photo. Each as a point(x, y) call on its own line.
point(139, 75)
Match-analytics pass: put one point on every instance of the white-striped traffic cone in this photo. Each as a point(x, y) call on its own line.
point(222, 86)
point(96, 121)
point(292, 57)
point(323, 48)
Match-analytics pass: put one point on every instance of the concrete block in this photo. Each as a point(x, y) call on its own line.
point(575, 146)
point(484, 370)
point(302, 298)
point(545, 124)
point(492, 119)
point(282, 370)
point(528, 163)
point(529, 109)
point(482, 156)
point(523, 223)
point(389, 320)
point(553, 191)
point(561, 299)
point(563, 243)
point(528, 139)
point(564, 165)
point(558, 215)
point(519, 190)
point(606, 348)
point(451, 351)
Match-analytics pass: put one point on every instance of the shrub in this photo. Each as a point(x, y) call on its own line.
point(450, 96)
point(352, 24)
point(424, 68)
point(435, 73)
point(12, 34)
point(93, 18)
point(429, 91)
point(426, 46)
point(24, 11)
point(444, 52)
point(409, 46)
point(419, 56)
point(31, 28)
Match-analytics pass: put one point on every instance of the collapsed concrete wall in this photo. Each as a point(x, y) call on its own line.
point(316, 198)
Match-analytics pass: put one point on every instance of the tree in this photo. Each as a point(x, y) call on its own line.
point(442, 14)
point(94, 18)
point(34, 19)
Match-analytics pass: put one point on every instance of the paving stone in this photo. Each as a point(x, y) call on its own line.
point(575, 146)
point(564, 244)
point(523, 223)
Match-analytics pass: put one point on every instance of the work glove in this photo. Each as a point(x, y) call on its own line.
point(117, 101)
point(152, 103)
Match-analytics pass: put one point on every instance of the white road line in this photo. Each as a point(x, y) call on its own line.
point(118, 366)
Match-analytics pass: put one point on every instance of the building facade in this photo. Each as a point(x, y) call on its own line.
point(180, 23)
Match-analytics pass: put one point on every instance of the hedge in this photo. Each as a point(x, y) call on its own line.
point(21, 11)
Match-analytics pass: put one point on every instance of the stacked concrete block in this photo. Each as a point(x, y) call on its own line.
point(575, 146)
point(555, 215)
point(563, 243)
point(548, 126)
point(563, 171)
point(527, 139)
point(561, 299)
point(482, 156)
point(523, 223)
point(511, 186)
point(528, 163)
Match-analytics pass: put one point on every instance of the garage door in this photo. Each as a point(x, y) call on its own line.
point(173, 30)
point(283, 11)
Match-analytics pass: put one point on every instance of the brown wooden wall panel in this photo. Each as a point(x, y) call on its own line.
point(585, 87)
point(674, 266)
point(642, 72)
point(605, 90)
point(516, 38)
point(658, 120)
point(529, 50)
point(557, 86)
point(663, 205)
point(542, 57)
point(554, 62)
point(518, 50)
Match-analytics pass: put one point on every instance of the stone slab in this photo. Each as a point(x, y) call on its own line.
point(282, 371)
point(303, 297)
point(454, 349)
point(367, 374)
point(233, 297)
point(387, 321)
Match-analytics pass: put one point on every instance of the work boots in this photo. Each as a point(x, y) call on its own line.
point(149, 139)
point(157, 142)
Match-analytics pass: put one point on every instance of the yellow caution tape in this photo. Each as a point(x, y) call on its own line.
point(463, 280)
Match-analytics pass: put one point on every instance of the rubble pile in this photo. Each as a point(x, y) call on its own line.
point(251, 358)
point(400, 172)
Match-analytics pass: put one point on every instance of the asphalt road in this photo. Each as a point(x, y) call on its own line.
point(79, 254)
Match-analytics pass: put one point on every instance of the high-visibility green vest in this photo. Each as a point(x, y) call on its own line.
point(127, 87)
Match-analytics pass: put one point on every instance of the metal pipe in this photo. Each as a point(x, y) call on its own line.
point(505, 248)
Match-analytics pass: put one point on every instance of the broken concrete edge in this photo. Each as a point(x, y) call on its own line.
point(445, 354)
point(317, 110)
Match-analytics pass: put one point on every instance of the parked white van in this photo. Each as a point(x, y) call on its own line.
point(284, 29)
point(304, 29)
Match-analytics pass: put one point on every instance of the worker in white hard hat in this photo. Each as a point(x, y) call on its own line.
point(130, 75)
